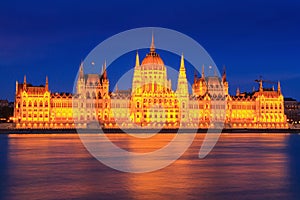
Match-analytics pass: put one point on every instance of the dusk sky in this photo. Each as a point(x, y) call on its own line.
point(251, 38)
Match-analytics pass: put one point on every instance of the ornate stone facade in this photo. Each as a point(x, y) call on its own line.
point(150, 103)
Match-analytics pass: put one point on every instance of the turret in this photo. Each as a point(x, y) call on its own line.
point(224, 75)
point(81, 73)
point(195, 76)
point(24, 83)
point(104, 79)
point(80, 80)
point(17, 86)
point(47, 84)
point(116, 88)
point(182, 86)
point(278, 87)
point(224, 81)
point(136, 81)
point(104, 73)
point(260, 85)
point(215, 72)
point(238, 92)
point(137, 60)
point(182, 92)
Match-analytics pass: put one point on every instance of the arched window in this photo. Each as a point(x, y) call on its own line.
point(35, 104)
point(41, 104)
point(24, 103)
point(30, 104)
point(46, 103)
point(88, 95)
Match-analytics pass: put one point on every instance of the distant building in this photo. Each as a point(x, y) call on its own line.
point(150, 103)
point(4, 103)
point(292, 110)
point(6, 110)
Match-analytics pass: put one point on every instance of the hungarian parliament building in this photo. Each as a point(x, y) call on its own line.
point(150, 103)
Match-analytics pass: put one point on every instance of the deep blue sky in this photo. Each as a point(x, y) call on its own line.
point(251, 38)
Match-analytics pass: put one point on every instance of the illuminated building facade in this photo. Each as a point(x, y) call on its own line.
point(150, 103)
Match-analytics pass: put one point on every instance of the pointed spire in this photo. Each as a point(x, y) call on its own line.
point(182, 86)
point(117, 88)
point(104, 75)
point(182, 62)
point(215, 72)
point(152, 47)
point(47, 84)
point(81, 73)
point(278, 87)
point(260, 85)
point(202, 74)
point(17, 86)
point(137, 59)
point(224, 75)
point(237, 91)
point(195, 76)
point(24, 83)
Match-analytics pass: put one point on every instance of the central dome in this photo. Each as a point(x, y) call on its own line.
point(152, 57)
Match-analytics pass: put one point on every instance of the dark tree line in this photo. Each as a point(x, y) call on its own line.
point(6, 112)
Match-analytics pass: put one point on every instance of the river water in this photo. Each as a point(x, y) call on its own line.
point(241, 166)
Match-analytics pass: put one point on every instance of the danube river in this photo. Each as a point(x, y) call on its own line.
point(241, 166)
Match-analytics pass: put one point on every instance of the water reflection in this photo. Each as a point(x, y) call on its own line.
point(3, 164)
point(254, 166)
point(293, 152)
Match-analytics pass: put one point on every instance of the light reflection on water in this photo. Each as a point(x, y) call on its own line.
point(241, 166)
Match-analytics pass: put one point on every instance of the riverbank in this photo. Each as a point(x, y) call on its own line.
point(112, 131)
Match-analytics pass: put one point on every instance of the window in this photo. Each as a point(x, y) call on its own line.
point(88, 95)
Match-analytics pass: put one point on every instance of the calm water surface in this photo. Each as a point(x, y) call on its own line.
point(251, 166)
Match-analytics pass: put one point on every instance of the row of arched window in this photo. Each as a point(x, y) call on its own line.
point(35, 104)
point(271, 106)
point(93, 95)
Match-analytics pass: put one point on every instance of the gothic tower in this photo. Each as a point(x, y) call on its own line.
point(224, 81)
point(80, 87)
point(182, 92)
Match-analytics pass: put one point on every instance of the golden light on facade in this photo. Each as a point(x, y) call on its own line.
point(151, 103)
